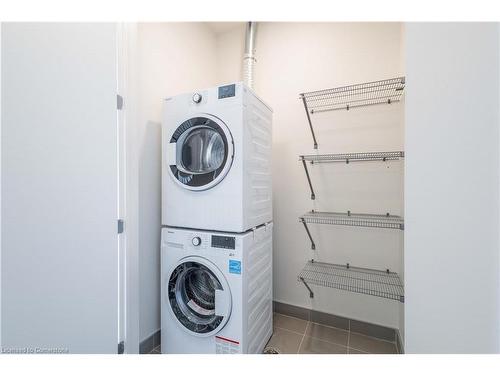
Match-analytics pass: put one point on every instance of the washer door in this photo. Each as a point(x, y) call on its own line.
point(199, 296)
point(201, 152)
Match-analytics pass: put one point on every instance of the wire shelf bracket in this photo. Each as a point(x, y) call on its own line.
point(384, 284)
point(311, 293)
point(385, 91)
point(313, 245)
point(347, 158)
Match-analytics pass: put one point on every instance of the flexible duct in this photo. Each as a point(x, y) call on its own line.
point(249, 59)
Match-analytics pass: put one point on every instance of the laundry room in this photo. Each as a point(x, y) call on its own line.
point(369, 187)
point(279, 187)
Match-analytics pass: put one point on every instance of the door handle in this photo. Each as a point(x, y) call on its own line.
point(172, 153)
point(221, 301)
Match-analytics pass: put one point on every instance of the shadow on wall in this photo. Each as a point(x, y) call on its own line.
point(150, 224)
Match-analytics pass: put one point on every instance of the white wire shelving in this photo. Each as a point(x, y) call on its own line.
point(346, 158)
point(385, 284)
point(386, 221)
point(385, 91)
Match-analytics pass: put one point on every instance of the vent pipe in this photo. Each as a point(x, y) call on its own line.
point(249, 59)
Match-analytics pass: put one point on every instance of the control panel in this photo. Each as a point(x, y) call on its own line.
point(227, 91)
point(223, 242)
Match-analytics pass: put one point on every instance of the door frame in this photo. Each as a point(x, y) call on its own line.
point(128, 185)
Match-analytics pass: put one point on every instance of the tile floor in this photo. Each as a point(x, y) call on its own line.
point(293, 335)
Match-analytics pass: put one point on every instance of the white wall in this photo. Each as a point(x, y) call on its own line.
point(59, 187)
point(172, 58)
point(298, 57)
point(230, 48)
point(452, 188)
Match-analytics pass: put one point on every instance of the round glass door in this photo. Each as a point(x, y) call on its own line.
point(199, 296)
point(204, 152)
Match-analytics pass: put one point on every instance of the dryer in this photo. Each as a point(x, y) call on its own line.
point(216, 291)
point(216, 167)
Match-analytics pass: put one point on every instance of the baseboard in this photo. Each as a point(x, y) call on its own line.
point(149, 343)
point(365, 328)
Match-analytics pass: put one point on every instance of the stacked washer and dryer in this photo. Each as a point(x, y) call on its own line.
point(216, 240)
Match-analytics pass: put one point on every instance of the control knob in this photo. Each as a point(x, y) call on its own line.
point(197, 98)
point(196, 241)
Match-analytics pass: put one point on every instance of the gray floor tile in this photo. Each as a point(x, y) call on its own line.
point(333, 335)
point(310, 345)
point(156, 350)
point(289, 323)
point(354, 351)
point(286, 342)
point(371, 345)
point(146, 346)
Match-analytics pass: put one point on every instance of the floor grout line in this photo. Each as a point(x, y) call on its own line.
point(320, 324)
point(293, 317)
point(326, 325)
point(375, 338)
point(349, 336)
point(289, 330)
point(301, 341)
point(328, 342)
point(359, 350)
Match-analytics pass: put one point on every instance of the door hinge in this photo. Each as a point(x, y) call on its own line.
point(121, 347)
point(121, 225)
point(119, 102)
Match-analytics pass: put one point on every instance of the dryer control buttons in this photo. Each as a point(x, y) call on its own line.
point(196, 241)
point(197, 98)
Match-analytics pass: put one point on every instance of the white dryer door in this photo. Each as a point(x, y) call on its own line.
point(200, 152)
point(199, 296)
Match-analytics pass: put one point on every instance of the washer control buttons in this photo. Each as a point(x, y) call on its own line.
point(196, 241)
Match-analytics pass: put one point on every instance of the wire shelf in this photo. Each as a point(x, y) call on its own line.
point(356, 156)
point(352, 219)
point(347, 158)
point(377, 283)
point(386, 91)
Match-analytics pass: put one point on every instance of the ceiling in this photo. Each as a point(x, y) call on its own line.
point(222, 27)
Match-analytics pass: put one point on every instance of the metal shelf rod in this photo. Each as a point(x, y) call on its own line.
point(348, 107)
point(313, 245)
point(313, 196)
point(311, 293)
point(309, 120)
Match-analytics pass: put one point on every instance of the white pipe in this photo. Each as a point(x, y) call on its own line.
point(249, 59)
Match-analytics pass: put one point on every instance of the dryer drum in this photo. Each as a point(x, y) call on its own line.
point(200, 286)
point(204, 153)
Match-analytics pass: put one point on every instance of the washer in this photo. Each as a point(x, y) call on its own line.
point(216, 168)
point(216, 291)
